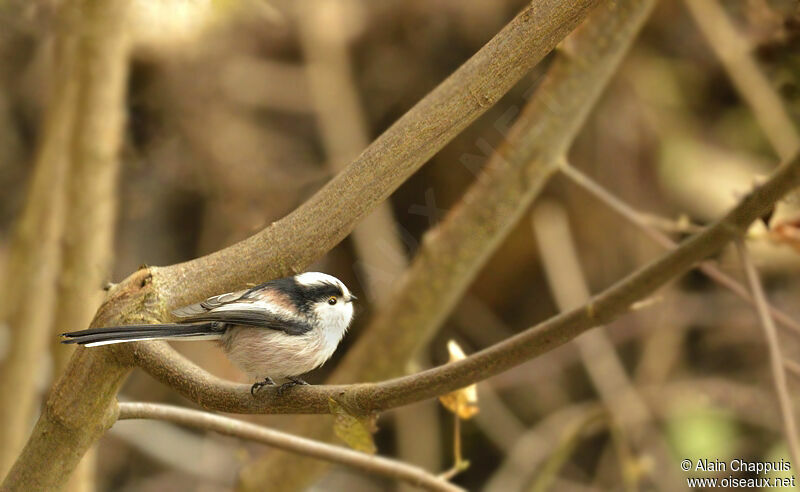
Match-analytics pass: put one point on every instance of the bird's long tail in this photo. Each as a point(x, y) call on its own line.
point(131, 333)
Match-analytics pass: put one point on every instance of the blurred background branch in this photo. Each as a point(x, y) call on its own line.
point(733, 51)
point(775, 356)
point(72, 195)
point(626, 409)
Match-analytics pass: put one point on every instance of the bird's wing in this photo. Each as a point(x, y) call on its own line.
point(253, 313)
point(260, 308)
point(209, 304)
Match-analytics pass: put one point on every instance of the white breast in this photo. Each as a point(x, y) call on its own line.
point(261, 352)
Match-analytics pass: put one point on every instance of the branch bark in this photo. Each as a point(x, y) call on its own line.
point(81, 405)
point(231, 427)
point(213, 393)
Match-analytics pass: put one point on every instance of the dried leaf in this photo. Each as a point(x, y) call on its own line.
point(787, 232)
point(356, 432)
point(462, 402)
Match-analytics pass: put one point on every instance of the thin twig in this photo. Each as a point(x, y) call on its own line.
point(459, 464)
point(635, 218)
point(775, 356)
point(244, 430)
point(682, 225)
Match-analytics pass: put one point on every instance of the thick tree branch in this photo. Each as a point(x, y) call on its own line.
point(231, 427)
point(81, 404)
point(452, 254)
point(213, 393)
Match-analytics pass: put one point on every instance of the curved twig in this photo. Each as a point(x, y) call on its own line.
point(296, 444)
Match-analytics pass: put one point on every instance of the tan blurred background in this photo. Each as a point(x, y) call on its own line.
point(227, 131)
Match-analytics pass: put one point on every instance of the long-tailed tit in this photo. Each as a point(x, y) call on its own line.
point(280, 329)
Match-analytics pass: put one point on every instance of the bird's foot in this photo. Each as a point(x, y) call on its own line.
point(257, 386)
point(292, 382)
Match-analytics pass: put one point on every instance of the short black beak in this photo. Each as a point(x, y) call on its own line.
point(352, 298)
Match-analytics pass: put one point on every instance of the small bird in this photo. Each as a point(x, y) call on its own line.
point(279, 329)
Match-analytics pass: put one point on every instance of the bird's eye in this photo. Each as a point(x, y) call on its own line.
point(331, 300)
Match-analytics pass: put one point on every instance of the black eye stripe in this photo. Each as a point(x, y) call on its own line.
point(302, 296)
point(322, 292)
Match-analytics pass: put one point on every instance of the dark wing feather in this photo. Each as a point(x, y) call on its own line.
point(257, 317)
point(252, 307)
point(209, 304)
